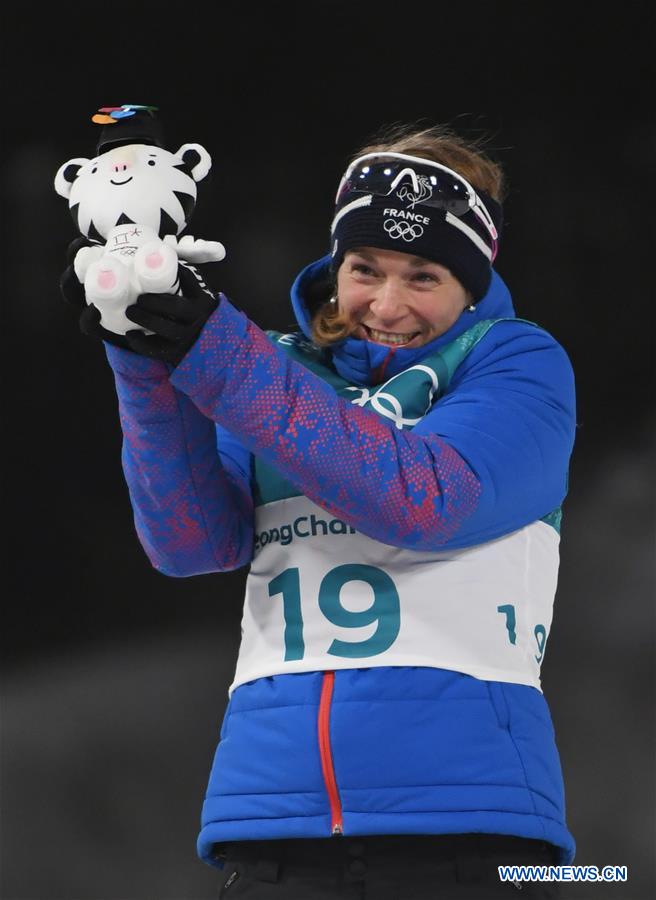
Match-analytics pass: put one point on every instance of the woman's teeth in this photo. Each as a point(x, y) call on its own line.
point(386, 337)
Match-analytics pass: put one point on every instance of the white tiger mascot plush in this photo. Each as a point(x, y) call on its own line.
point(131, 201)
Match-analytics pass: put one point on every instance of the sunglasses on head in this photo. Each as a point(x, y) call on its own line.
point(415, 180)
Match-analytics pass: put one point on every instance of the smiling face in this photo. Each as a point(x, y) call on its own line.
point(397, 299)
point(136, 181)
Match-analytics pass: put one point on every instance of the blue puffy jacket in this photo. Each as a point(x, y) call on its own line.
point(248, 420)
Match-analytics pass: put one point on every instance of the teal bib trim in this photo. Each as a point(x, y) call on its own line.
point(554, 519)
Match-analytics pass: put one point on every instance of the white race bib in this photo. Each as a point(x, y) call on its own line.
point(322, 596)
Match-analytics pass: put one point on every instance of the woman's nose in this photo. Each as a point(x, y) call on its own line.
point(389, 301)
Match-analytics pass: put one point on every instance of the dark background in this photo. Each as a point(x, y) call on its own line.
point(115, 677)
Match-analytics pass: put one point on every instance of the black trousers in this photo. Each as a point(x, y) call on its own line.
point(383, 867)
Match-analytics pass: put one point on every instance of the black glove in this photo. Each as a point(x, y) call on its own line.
point(72, 291)
point(176, 320)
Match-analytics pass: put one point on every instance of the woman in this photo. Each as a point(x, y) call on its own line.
point(393, 473)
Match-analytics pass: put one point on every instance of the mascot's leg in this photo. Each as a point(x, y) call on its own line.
point(156, 268)
point(107, 286)
point(83, 259)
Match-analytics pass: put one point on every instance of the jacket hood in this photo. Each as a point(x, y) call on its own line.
point(364, 362)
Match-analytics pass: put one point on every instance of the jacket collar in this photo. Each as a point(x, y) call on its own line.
point(364, 362)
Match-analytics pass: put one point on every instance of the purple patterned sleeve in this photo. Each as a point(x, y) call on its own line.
point(191, 515)
point(407, 490)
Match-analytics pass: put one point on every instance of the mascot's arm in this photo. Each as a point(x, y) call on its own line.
point(196, 250)
point(193, 515)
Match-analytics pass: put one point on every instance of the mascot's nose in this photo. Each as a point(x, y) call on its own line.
point(121, 167)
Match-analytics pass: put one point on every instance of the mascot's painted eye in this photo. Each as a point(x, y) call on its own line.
point(151, 162)
point(94, 170)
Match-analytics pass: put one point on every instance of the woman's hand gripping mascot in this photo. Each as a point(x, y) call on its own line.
point(130, 203)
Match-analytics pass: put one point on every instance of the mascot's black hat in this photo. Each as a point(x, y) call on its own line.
point(128, 124)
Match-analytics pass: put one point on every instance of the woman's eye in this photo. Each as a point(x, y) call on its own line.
point(426, 278)
point(362, 269)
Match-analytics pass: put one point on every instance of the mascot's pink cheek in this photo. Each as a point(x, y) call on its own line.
point(153, 260)
point(106, 279)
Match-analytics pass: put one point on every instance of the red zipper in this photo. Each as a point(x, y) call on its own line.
point(377, 374)
point(336, 826)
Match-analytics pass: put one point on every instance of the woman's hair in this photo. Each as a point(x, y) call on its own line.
point(440, 144)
